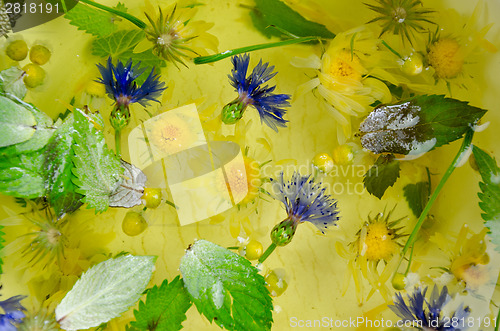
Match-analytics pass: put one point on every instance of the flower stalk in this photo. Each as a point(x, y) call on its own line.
point(128, 17)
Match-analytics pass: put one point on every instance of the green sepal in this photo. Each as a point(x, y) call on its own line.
point(282, 233)
point(233, 112)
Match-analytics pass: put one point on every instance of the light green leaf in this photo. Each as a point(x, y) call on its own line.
point(417, 125)
point(20, 175)
point(129, 191)
point(490, 192)
point(17, 124)
point(105, 291)
point(97, 169)
point(57, 170)
point(382, 175)
point(11, 82)
point(164, 308)
point(225, 287)
point(277, 13)
point(92, 20)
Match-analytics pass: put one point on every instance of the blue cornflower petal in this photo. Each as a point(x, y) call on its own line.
point(13, 313)
point(430, 315)
point(121, 86)
point(251, 90)
point(306, 200)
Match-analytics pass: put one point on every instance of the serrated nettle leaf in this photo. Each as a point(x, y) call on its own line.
point(130, 189)
point(226, 288)
point(417, 125)
point(92, 20)
point(60, 190)
point(105, 291)
point(17, 124)
point(276, 13)
point(11, 82)
point(20, 175)
point(417, 196)
point(164, 308)
point(383, 174)
point(97, 169)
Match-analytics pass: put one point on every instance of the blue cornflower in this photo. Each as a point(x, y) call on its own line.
point(429, 317)
point(121, 86)
point(13, 313)
point(252, 92)
point(305, 201)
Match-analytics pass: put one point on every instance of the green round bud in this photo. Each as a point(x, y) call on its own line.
point(120, 117)
point(233, 112)
point(17, 50)
point(39, 54)
point(34, 75)
point(283, 233)
point(398, 282)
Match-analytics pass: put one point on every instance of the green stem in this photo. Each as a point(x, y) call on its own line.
point(229, 53)
point(497, 322)
point(268, 252)
point(413, 236)
point(126, 16)
point(233, 247)
point(118, 140)
point(391, 49)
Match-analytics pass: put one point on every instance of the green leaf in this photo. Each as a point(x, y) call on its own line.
point(417, 125)
point(490, 192)
point(20, 175)
point(2, 240)
point(11, 82)
point(97, 170)
point(382, 175)
point(17, 124)
point(105, 291)
point(417, 196)
point(129, 191)
point(225, 287)
point(92, 20)
point(275, 12)
point(164, 308)
point(42, 129)
point(57, 170)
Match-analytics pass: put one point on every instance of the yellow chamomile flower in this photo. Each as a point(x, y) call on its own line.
point(175, 35)
point(376, 241)
point(348, 77)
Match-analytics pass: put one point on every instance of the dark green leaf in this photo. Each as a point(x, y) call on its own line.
point(226, 288)
point(11, 82)
point(164, 308)
point(97, 169)
point(417, 196)
point(61, 191)
point(417, 125)
point(382, 175)
point(275, 12)
point(490, 192)
point(20, 175)
point(92, 20)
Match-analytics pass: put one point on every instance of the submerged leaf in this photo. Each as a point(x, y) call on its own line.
point(105, 291)
point(490, 192)
point(382, 175)
point(226, 288)
point(11, 82)
point(164, 308)
point(276, 13)
point(130, 189)
point(417, 125)
point(97, 169)
point(417, 196)
point(17, 124)
point(20, 175)
point(92, 20)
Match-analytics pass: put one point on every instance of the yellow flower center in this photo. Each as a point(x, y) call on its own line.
point(446, 58)
point(345, 66)
point(238, 184)
point(379, 243)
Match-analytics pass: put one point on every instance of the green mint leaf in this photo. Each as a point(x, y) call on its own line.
point(417, 196)
point(382, 175)
point(164, 308)
point(417, 125)
point(97, 170)
point(17, 124)
point(92, 20)
point(11, 82)
point(61, 191)
point(43, 128)
point(276, 13)
point(130, 189)
point(226, 288)
point(20, 175)
point(490, 192)
point(105, 291)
